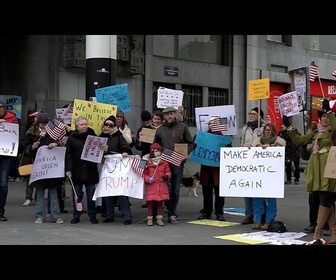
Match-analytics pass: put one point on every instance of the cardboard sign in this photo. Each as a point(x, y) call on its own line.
point(181, 149)
point(147, 135)
point(330, 168)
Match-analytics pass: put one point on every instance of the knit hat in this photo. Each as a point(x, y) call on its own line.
point(42, 118)
point(3, 102)
point(155, 146)
point(111, 118)
point(146, 116)
point(259, 111)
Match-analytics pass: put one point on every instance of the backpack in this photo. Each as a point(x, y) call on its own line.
point(277, 226)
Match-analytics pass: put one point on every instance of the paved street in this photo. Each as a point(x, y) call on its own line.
point(20, 228)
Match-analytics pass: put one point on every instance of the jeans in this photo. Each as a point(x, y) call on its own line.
point(174, 189)
point(267, 206)
point(4, 173)
point(91, 205)
point(60, 194)
point(41, 205)
point(124, 207)
point(248, 207)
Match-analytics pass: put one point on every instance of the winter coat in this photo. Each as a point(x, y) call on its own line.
point(292, 151)
point(83, 171)
point(315, 181)
point(248, 135)
point(9, 116)
point(116, 143)
point(279, 142)
point(157, 191)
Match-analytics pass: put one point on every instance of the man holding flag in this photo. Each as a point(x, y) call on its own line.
point(171, 132)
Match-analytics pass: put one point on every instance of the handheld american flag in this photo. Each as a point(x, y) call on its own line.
point(56, 131)
point(172, 157)
point(313, 72)
point(138, 165)
point(220, 124)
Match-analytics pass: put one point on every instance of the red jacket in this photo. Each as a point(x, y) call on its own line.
point(9, 116)
point(158, 191)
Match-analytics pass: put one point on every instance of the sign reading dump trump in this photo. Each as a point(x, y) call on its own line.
point(118, 178)
point(254, 172)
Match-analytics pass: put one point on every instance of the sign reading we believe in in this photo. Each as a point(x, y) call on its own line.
point(116, 95)
point(203, 114)
point(118, 178)
point(254, 172)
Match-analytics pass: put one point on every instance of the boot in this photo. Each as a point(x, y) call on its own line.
point(159, 220)
point(332, 226)
point(322, 216)
point(149, 220)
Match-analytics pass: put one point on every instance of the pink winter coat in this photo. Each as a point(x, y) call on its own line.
point(158, 191)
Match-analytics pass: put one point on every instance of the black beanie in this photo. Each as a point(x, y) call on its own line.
point(146, 116)
point(111, 118)
point(42, 118)
point(260, 112)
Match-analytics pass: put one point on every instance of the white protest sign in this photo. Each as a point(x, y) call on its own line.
point(64, 115)
point(169, 98)
point(92, 148)
point(288, 104)
point(118, 178)
point(48, 163)
point(9, 139)
point(203, 114)
point(254, 172)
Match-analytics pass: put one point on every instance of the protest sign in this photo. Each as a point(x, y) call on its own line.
point(169, 98)
point(147, 135)
point(92, 148)
point(13, 103)
point(9, 139)
point(289, 104)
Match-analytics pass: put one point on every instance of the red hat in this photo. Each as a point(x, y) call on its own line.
point(155, 146)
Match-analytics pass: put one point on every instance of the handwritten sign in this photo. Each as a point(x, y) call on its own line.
point(288, 104)
point(95, 112)
point(14, 103)
point(147, 135)
point(182, 149)
point(115, 95)
point(48, 163)
point(330, 168)
point(169, 98)
point(92, 148)
point(9, 139)
point(203, 114)
point(259, 89)
point(207, 151)
point(118, 178)
point(63, 114)
point(254, 172)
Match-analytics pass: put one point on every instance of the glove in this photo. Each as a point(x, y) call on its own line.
point(165, 177)
point(151, 180)
point(104, 148)
point(68, 173)
point(286, 121)
point(326, 105)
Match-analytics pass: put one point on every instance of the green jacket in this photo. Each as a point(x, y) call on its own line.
point(317, 162)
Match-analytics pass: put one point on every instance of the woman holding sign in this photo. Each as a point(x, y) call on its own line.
point(322, 138)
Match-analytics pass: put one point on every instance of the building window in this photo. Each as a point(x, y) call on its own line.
point(218, 97)
point(156, 86)
point(284, 39)
point(192, 98)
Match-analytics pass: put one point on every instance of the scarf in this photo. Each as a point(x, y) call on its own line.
point(253, 125)
point(266, 140)
point(156, 160)
point(320, 130)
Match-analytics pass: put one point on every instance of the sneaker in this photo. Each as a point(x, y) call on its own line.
point(3, 218)
point(26, 203)
point(94, 220)
point(75, 221)
point(59, 221)
point(38, 221)
point(288, 182)
point(220, 217)
point(309, 229)
point(172, 220)
point(63, 211)
point(296, 182)
point(127, 222)
point(256, 226)
point(203, 216)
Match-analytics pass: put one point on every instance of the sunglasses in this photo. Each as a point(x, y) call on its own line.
point(109, 125)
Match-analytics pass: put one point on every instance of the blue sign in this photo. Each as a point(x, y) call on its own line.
point(14, 103)
point(116, 95)
point(207, 151)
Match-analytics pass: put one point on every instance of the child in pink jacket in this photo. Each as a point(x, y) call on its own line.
point(156, 176)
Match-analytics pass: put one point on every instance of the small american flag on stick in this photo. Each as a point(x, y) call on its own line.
point(220, 124)
point(313, 72)
point(138, 165)
point(56, 131)
point(172, 157)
